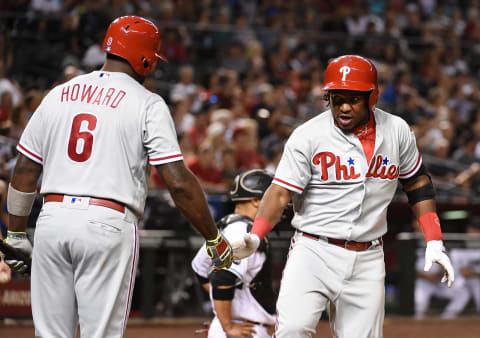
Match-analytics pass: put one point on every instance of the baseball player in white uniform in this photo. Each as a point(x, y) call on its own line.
point(468, 271)
point(242, 296)
point(94, 139)
point(467, 266)
point(342, 169)
point(427, 286)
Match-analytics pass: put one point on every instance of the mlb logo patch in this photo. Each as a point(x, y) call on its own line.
point(105, 75)
point(76, 200)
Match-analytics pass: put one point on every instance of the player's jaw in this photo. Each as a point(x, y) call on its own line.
point(349, 108)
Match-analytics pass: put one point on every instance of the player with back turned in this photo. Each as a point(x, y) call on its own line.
point(342, 182)
point(94, 139)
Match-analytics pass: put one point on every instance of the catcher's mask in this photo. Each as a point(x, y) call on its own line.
point(352, 72)
point(249, 185)
point(136, 40)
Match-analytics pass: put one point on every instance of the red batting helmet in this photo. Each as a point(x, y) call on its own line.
point(136, 40)
point(352, 72)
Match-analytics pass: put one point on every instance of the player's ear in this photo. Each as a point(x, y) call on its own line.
point(256, 202)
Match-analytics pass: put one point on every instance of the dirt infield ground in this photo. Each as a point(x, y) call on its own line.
point(395, 327)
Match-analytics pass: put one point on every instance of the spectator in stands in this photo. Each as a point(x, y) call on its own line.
point(183, 118)
point(173, 46)
point(185, 85)
point(9, 85)
point(6, 107)
point(234, 58)
point(203, 166)
point(229, 165)
point(94, 56)
point(245, 141)
point(198, 132)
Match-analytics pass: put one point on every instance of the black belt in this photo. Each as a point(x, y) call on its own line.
point(349, 245)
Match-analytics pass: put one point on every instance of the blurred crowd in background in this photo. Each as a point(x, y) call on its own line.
point(242, 74)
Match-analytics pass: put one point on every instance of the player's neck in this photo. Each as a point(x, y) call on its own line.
point(122, 67)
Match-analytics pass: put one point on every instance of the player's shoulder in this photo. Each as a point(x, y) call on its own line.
point(311, 126)
point(383, 117)
point(393, 124)
point(236, 227)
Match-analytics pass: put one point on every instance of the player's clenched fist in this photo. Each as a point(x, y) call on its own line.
point(220, 251)
point(245, 246)
point(19, 241)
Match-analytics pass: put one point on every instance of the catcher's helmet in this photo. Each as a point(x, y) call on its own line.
point(136, 40)
point(249, 185)
point(352, 72)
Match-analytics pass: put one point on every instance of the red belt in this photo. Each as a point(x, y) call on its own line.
point(349, 245)
point(93, 201)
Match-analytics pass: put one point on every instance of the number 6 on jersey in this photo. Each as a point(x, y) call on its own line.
point(80, 143)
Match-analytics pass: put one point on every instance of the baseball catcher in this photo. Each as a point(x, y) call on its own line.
point(242, 295)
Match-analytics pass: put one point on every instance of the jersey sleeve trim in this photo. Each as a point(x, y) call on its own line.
point(414, 169)
point(198, 270)
point(287, 185)
point(235, 272)
point(30, 154)
point(166, 159)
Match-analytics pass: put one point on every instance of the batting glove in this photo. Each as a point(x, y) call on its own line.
point(220, 251)
point(436, 253)
point(246, 246)
point(19, 241)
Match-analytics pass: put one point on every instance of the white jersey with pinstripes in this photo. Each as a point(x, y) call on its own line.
point(96, 136)
point(341, 195)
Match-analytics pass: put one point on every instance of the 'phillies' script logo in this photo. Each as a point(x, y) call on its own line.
point(327, 159)
point(380, 167)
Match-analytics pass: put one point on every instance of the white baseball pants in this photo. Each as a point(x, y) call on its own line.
point(83, 270)
point(317, 273)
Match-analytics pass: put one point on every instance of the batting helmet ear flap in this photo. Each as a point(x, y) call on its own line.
point(372, 100)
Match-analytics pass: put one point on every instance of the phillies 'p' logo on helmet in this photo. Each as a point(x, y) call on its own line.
point(352, 72)
point(136, 40)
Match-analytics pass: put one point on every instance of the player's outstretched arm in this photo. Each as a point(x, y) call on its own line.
point(421, 197)
point(269, 213)
point(190, 199)
point(188, 196)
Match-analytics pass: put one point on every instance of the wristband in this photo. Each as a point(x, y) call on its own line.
point(430, 225)
point(16, 234)
point(215, 240)
point(261, 227)
point(19, 203)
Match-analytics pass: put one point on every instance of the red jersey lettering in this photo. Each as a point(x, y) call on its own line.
point(380, 168)
point(328, 159)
